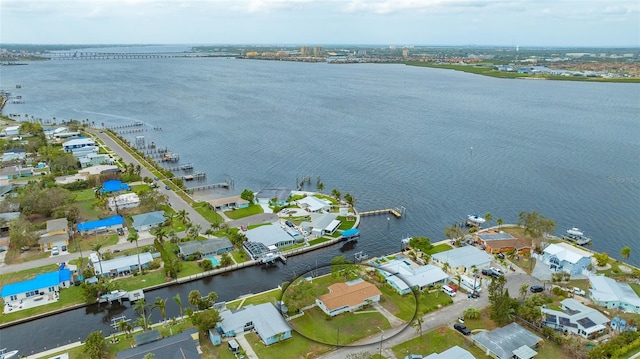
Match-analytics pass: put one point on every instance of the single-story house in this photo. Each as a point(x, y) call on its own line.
point(221, 204)
point(348, 297)
point(207, 247)
point(612, 294)
point(500, 242)
point(452, 353)
point(111, 186)
point(11, 131)
point(259, 240)
point(101, 225)
point(314, 204)
point(14, 154)
point(267, 195)
point(57, 234)
point(100, 169)
point(510, 341)
point(404, 277)
point(462, 259)
point(576, 318)
point(146, 221)
point(119, 266)
point(72, 178)
point(264, 318)
point(80, 147)
point(5, 190)
point(93, 159)
point(567, 258)
point(323, 224)
point(40, 285)
point(179, 346)
point(126, 200)
point(12, 172)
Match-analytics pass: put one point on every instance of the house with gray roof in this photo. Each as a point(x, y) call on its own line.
point(322, 224)
point(179, 346)
point(146, 221)
point(263, 318)
point(451, 353)
point(261, 240)
point(566, 258)
point(510, 341)
point(462, 259)
point(119, 266)
point(205, 248)
point(404, 277)
point(314, 204)
point(57, 234)
point(612, 294)
point(14, 154)
point(279, 194)
point(575, 318)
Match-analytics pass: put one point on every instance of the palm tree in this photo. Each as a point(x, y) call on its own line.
point(488, 217)
point(141, 308)
point(438, 289)
point(417, 322)
point(178, 301)
point(458, 279)
point(160, 233)
point(224, 227)
point(446, 266)
point(122, 325)
point(320, 186)
point(194, 231)
point(138, 169)
point(182, 216)
point(474, 270)
point(499, 221)
point(169, 219)
point(471, 313)
point(524, 287)
point(96, 248)
point(335, 193)
point(161, 304)
point(195, 297)
point(133, 237)
point(625, 252)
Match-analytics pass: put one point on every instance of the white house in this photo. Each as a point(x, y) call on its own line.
point(403, 277)
point(348, 297)
point(94, 159)
point(14, 154)
point(576, 318)
point(127, 200)
point(612, 294)
point(263, 318)
point(11, 131)
point(314, 204)
point(80, 147)
point(567, 258)
point(260, 239)
point(323, 224)
point(463, 259)
point(119, 266)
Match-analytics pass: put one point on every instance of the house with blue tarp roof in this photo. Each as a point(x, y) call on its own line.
point(41, 285)
point(114, 186)
point(101, 225)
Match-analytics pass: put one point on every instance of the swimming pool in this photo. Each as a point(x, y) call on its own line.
point(214, 261)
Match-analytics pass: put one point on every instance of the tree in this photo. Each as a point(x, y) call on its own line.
point(458, 279)
point(178, 301)
point(625, 252)
point(320, 186)
point(182, 216)
point(454, 232)
point(21, 233)
point(471, 313)
point(488, 217)
point(161, 304)
point(226, 260)
point(95, 346)
point(153, 199)
point(342, 267)
point(97, 248)
point(499, 221)
point(298, 294)
point(524, 288)
point(160, 233)
point(248, 195)
point(500, 307)
point(194, 298)
point(141, 308)
point(601, 259)
point(335, 193)
point(535, 224)
point(205, 319)
point(417, 322)
point(349, 199)
point(446, 266)
point(133, 237)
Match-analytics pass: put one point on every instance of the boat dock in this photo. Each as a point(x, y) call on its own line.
point(271, 258)
point(397, 212)
point(120, 295)
point(198, 176)
point(210, 186)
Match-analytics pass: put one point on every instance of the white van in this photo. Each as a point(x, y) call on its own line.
point(448, 290)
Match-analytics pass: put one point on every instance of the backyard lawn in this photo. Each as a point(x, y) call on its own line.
point(87, 243)
point(244, 212)
point(437, 341)
point(295, 347)
point(208, 213)
point(403, 307)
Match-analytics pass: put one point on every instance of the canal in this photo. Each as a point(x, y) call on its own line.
point(378, 237)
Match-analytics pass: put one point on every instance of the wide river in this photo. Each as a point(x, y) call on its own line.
point(441, 143)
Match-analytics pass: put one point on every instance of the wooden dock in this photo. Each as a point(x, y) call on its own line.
point(210, 186)
point(397, 212)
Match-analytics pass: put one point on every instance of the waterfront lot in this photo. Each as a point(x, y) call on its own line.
point(295, 347)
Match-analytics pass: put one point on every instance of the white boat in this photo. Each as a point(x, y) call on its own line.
point(575, 235)
point(116, 295)
point(4, 354)
point(475, 220)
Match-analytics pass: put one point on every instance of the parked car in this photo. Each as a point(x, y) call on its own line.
point(55, 251)
point(495, 272)
point(462, 328)
point(167, 187)
point(487, 271)
point(501, 255)
point(536, 288)
point(474, 295)
point(290, 224)
point(413, 356)
point(448, 290)
point(120, 231)
point(578, 291)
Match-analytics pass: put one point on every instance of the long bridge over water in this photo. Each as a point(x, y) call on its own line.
point(93, 55)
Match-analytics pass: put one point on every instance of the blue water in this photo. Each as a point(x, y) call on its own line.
point(214, 261)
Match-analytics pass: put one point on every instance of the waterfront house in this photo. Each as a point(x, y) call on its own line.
point(57, 234)
point(146, 221)
point(14, 154)
point(348, 297)
point(35, 289)
point(11, 131)
point(119, 266)
point(260, 239)
point(612, 294)
point(101, 225)
point(500, 242)
point(209, 247)
point(263, 318)
point(126, 200)
point(404, 276)
point(274, 196)
point(454, 352)
point(575, 318)
point(510, 341)
point(222, 204)
point(93, 159)
point(323, 224)
point(566, 258)
point(111, 186)
point(314, 204)
point(100, 169)
point(462, 259)
point(179, 346)
point(80, 147)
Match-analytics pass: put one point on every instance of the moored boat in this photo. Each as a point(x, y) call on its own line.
point(4, 354)
point(575, 235)
point(475, 220)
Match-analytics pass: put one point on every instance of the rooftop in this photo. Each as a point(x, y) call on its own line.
point(466, 256)
point(605, 289)
point(149, 218)
point(265, 317)
point(268, 235)
point(40, 281)
point(348, 294)
point(567, 252)
point(504, 341)
point(105, 222)
point(206, 246)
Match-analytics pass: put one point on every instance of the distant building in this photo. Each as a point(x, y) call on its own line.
point(114, 186)
point(101, 225)
point(612, 294)
point(222, 204)
point(93, 159)
point(323, 224)
point(462, 259)
point(348, 297)
point(80, 147)
point(264, 319)
point(305, 51)
point(13, 172)
point(501, 242)
point(314, 204)
point(276, 196)
point(576, 318)
point(265, 239)
point(146, 221)
point(13, 154)
point(11, 131)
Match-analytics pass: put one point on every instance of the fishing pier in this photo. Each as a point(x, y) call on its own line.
point(398, 212)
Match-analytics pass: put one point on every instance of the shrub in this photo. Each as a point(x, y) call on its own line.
point(206, 265)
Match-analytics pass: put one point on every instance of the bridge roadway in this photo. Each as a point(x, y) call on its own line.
point(124, 55)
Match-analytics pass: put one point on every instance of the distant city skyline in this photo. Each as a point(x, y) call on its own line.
point(506, 23)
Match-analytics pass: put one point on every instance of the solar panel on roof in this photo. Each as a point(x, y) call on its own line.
point(586, 323)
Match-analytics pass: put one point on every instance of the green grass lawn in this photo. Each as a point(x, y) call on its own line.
point(84, 195)
point(403, 307)
point(244, 212)
point(439, 248)
point(429, 302)
point(208, 213)
point(86, 244)
point(140, 188)
point(239, 255)
point(635, 287)
point(318, 240)
point(258, 225)
point(25, 274)
point(87, 211)
point(342, 329)
point(437, 341)
point(68, 297)
point(141, 281)
point(296, 347)
point(266, 297)
point(345, 223)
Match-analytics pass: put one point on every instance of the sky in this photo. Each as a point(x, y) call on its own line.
point(552, 23)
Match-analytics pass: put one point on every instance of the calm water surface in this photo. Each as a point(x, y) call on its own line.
point(441, 143)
